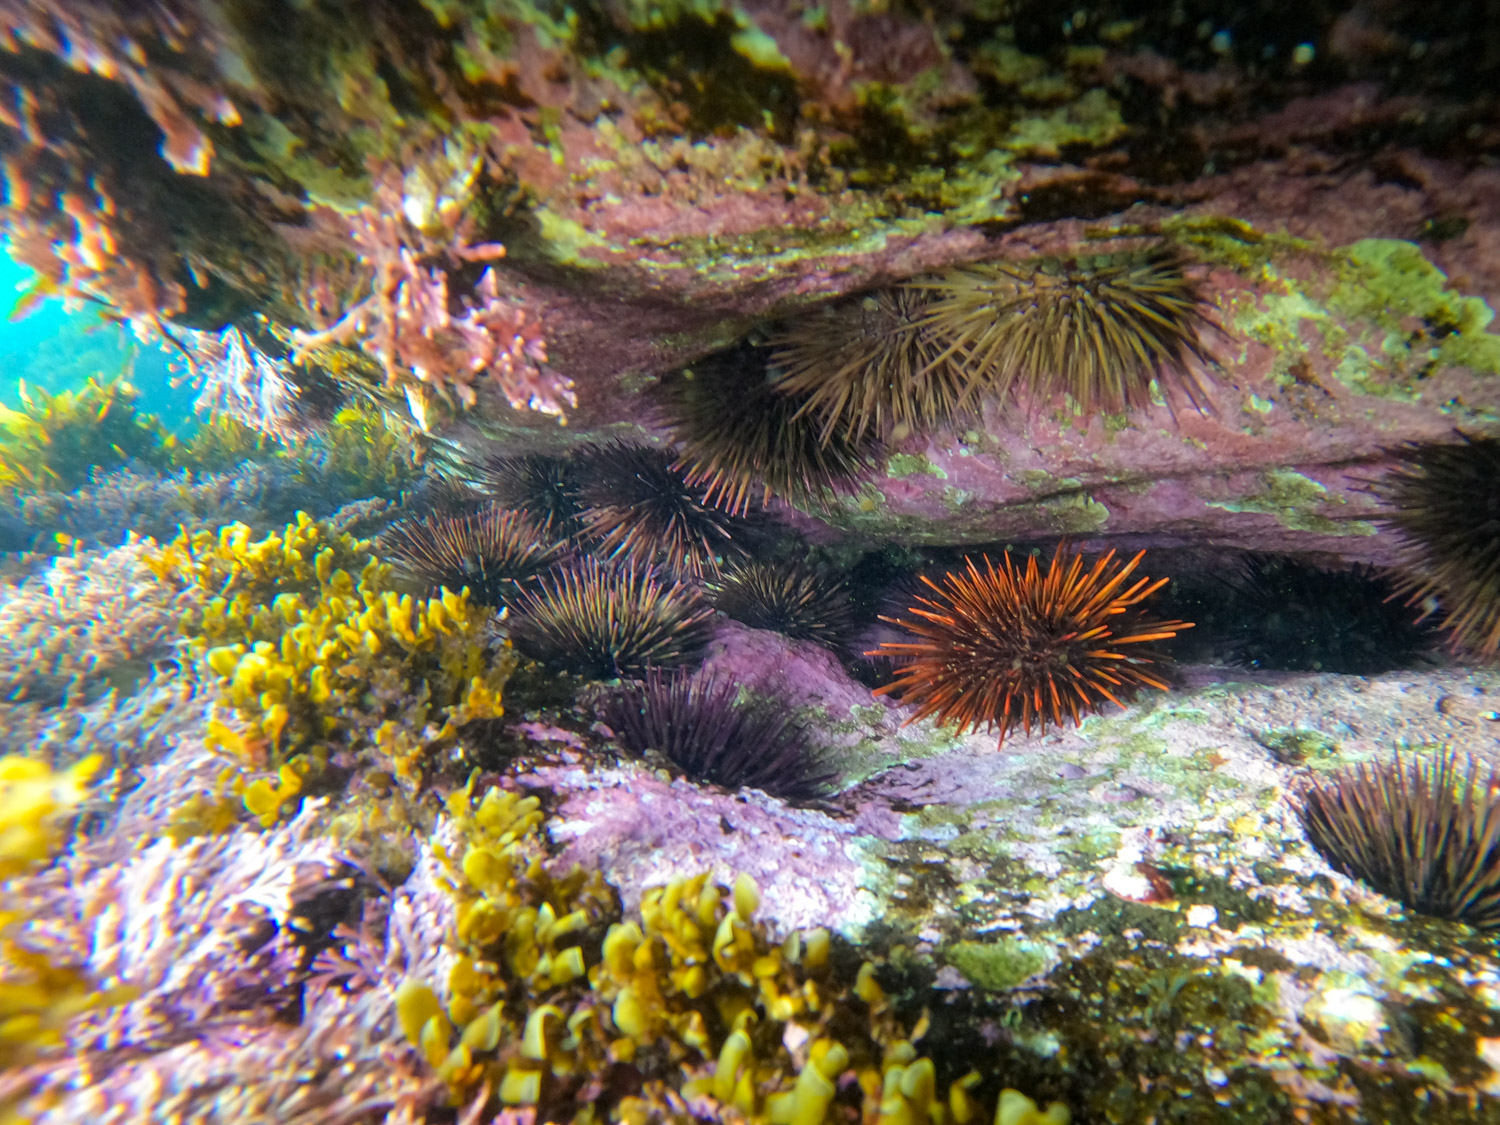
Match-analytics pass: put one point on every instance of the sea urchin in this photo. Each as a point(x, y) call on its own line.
point(1444, 500)
point(1287, 614)
point(697, 722)
point(1013, 646)
point(494, 552)
point(604, 622)
point(1099, 328)
point(640, 508)
point(870, 366)
point(1426, 833)
point(545, 488)
point(793, 598)
point(740, 437)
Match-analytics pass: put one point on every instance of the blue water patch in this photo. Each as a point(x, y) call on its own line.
point(57, 349)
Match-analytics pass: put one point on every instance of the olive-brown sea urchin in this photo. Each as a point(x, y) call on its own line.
point(1100, 328)
point(792, 598)
point(495, 552)
point(1013, 646)
point(604, 622)
point(868, 365)
point(638, 507)
point(698, 723)
point(1425, 832)
point(739, 437)
point(1444, 501)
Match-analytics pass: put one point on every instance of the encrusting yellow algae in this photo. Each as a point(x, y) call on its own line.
point(317, 653)
point(33, 803)
point(37, 997)
point(553, 985)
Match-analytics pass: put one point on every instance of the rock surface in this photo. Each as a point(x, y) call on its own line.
point(546, 210)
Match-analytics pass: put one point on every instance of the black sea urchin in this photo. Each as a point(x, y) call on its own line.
point(697, 723)
point(604, 622)
point(1444, 500)
point(640, 508)
point(739, 436)
point(794, 598)
point(1012, 646)
point(545, 488)
point(1099, 328)
point(1425, 833)
point(1285, 614)
point(868, 365)
point(495, 552)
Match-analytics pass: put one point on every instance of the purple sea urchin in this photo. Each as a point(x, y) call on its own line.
point(739, 436)
point(604, 622)
point(641, 509)
point(1426, 833)
point(870, 366)
point(1444, 501)
point(545, 488)
point(793, 598)
point(494, 552)
point(1014, 647)
point(1099, 328)
point(698, 723)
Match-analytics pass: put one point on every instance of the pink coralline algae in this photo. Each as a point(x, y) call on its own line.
point(238, 379)
point(646, 829)
point(411, 243)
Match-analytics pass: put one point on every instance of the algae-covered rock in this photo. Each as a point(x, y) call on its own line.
point(523, 212)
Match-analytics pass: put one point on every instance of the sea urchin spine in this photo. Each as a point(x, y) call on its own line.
point(698, 723)
point(870, 366)
point(494, 552)
point(1444, 500)
point(1288, 614)
point(604, 622)
point(740, 437)
point(641, 509)
point(1013, 646)
point(545, 488)
point(792, 598)
point(1098, 328)
point(1424, 833)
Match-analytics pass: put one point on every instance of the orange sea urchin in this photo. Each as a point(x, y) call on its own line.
point(1013, 646)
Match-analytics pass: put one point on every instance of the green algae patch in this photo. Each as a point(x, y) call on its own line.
point(1388, 281)
point(1038, 480)
point(1299, 747)
point(1094, 119)
point(762, 51)
point(997, 966)
point(1293, 499)
point(908, 464)
point(567, 239)
point(1076, 514)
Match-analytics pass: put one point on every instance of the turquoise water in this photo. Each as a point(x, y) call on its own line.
point(57, 349)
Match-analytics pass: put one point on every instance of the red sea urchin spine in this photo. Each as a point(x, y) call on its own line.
point(1010, 645)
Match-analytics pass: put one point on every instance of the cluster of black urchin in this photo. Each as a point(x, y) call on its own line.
point(609, 564)
point(593, 556)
